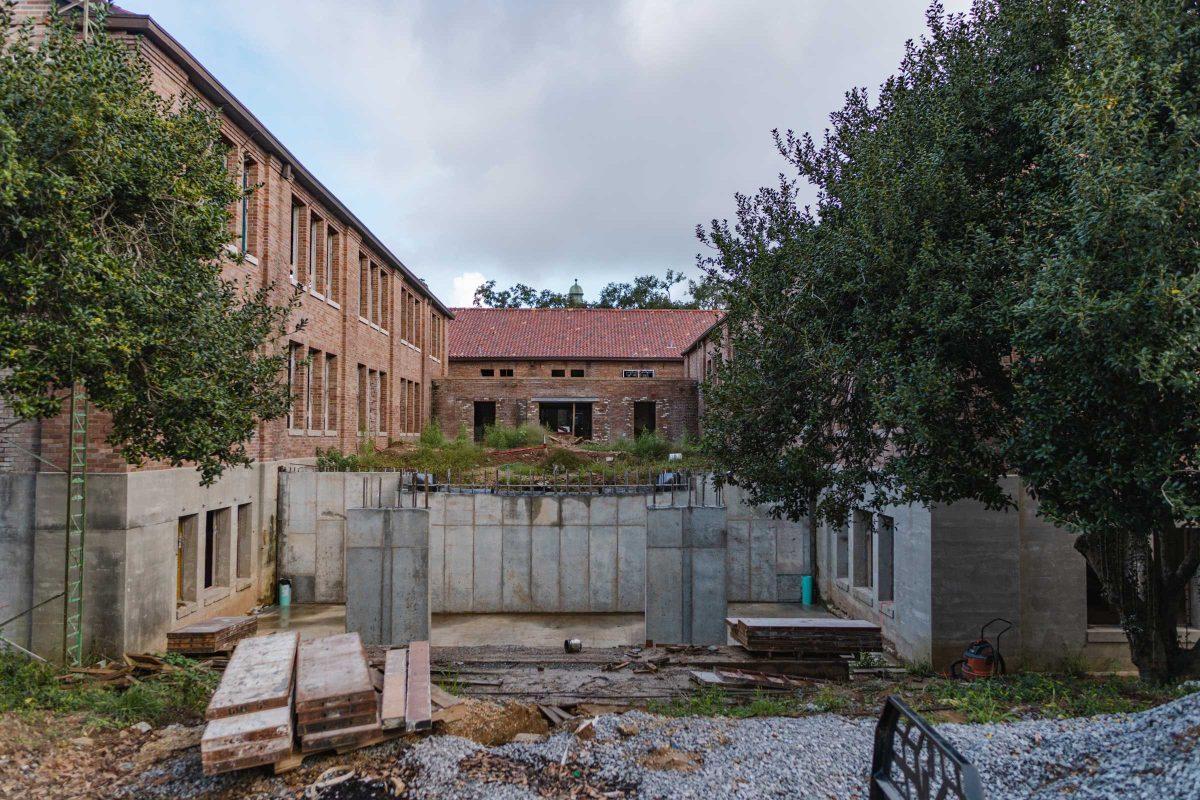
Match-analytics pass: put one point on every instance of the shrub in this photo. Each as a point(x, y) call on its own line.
point(431, 436)
point(506, 437)
point(560, 458)
point(646, 447)
point(334, 460)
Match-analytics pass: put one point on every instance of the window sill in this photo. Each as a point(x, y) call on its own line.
point(863, 594)
point(842, 584)
point(215, 594)
point(243, 584)
point(296, 432)
point(334, 303)
point(331, 433)
point(372, 325)
point(185, 610)
point(407, 343)
point(250, 259)
point(887, 608)
point(435, 358)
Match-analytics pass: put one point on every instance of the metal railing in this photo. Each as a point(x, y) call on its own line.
point(912, 761)
point(661, 488)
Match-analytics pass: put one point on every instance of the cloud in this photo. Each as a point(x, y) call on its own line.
point(537, 141)
point(463, 293)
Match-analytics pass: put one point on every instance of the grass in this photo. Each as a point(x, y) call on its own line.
point(713, 701)
point(29, 687)
point(1004, 699)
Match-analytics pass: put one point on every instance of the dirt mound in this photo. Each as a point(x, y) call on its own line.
point(668, 758)
point(490, 723)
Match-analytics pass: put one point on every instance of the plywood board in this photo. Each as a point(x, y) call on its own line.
point(259, 676)
point(418, 710)
point(395, 685)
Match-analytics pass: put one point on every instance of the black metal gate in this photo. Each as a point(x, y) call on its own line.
point(913, 762)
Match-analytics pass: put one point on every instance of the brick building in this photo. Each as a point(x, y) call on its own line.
point(598, 373)
point(702, 356)
point(162, 550)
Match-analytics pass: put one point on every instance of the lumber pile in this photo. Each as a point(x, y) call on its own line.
point(216, 635)
point(336, 702)
point(277, 689)
point(250, 714)
point(805, 637)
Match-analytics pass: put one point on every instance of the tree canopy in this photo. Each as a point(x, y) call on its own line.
point(645, 291)
point(115, 210)
point(999, 276)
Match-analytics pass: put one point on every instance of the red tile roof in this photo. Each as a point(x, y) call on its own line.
point(576, 333)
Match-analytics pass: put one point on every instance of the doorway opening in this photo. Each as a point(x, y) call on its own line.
point(644, 417)
point(567, 417)
point(485, 417)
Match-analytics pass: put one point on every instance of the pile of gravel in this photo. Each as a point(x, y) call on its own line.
point(1154, 754)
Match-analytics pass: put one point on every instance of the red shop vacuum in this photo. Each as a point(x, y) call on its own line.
point(981, 659)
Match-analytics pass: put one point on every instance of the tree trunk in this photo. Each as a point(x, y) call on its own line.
point(1146, 578)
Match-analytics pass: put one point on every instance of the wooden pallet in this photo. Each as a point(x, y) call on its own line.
point(246, 740)
point(259, 676)
point(805, 637)
point(336, 701)
point(216, 635)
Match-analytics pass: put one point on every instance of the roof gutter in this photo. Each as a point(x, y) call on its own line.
point(218, 95)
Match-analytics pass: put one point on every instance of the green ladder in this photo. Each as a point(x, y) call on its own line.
point(76, 529)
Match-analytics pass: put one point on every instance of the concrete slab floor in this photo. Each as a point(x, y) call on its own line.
point(314, 620)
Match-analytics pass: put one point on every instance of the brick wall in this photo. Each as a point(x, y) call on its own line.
point(357, 321)
point(469, 368)
point(612, 412)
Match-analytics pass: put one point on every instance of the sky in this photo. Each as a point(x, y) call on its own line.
point(540, 142)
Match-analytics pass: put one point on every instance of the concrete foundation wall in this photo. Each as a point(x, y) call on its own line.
point(131, 570)
point(686, 600)
point(387, 552)
point(535, 553)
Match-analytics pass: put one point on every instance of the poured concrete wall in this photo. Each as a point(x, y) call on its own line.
point(533, 552)
point(387, 552)
point(17, 493)
point(686, 601)
point(130, 555)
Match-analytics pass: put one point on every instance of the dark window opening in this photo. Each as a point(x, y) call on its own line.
point(487, 373)
point(629, 373)
point(644, 418)
point(646, 373)
point(576, 373)
point(506, 373)
point(571, 418)
point(558, 373)
point(1099, 610)
point(485, 417)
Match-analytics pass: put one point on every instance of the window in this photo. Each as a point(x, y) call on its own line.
point(842, 550)
point(315, 273)
point(373, 292)
point(330, 382)
point(249, 179)
point(506, 373)
point(576, 373)
point(364, 287)
point(645, 373)
point(887, 563)
point(296, 382)
point(385, 300)
point(864, 538)
point(316, 391)
point(308, 391)
point(216, 548)
point(332, 287)
point(558, 373)
point(487, 373)
point(363, 400)
point(294, 241)
point(381, 421)
point(629, 373)
point(185, 560)
point(244, 541)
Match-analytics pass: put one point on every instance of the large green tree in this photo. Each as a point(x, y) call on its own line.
point(1000, 273)
point(644, 291)
point(114, 225)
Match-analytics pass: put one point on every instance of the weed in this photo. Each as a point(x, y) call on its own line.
point(713, 701)
point(432, 436)
point(180, 694)
point(829, 701)
point(560, 459)
point(868, 661)
point(506, 437)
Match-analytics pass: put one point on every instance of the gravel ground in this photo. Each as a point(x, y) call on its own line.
point(1154, 754)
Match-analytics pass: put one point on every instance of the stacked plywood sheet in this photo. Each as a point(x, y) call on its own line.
point(216, 635)
point(806, 638)
point(250, 713)
point(336, 703)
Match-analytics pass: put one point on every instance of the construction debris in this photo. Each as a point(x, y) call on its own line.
point(210, 636)
point(746, 679)
point(336, 703)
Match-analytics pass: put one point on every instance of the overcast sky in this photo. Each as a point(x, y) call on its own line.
point(540, 142)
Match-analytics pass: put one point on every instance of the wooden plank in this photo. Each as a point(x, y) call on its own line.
point(418, 711)
point(343, 737)
point(258, 676)
point(332, 669)
point(806, 623)
point(271, 723)
point(441, 698)
point(395, 684)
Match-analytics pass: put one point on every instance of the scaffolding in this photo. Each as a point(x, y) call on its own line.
point(76, 530)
